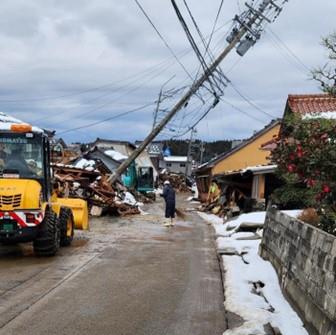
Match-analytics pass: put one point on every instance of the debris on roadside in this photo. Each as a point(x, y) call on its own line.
point(228, 201)
point(87, 181)
point(84, 171)
point(178, 181)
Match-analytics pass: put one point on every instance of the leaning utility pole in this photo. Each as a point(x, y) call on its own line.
point(202, 149)
point(193, 131)
point(249, 24)
point(157, 109)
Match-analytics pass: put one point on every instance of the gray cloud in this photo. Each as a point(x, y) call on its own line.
point(54, 53)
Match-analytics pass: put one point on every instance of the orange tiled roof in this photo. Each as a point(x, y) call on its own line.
point(312, 103)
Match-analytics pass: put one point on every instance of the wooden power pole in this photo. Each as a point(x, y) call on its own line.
point(251, 25)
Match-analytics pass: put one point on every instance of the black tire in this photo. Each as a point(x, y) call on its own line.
point(66, 222)
point(48, 241)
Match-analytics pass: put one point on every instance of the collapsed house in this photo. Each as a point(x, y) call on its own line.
point(244, 177)
point(87, 174)
point(125, 149)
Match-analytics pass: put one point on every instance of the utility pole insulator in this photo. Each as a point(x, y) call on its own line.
point(250, 23)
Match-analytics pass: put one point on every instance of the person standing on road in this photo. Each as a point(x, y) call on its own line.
point(169, 195)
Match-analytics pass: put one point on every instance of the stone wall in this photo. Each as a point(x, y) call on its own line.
point(305, 260)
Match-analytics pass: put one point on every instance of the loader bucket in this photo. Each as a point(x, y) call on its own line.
point(79, 211)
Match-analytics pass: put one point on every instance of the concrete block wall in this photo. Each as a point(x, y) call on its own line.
point(305, 260)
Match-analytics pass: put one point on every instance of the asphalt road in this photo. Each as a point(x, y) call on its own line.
point(126, 276)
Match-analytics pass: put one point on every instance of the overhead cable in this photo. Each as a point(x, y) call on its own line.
point(162, 38)
point(89, 125)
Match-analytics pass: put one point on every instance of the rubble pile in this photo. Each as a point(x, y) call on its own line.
point(92, 185)
point(178, 181)
point(227, 201)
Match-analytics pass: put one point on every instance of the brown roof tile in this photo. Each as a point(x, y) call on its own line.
point(312, 103)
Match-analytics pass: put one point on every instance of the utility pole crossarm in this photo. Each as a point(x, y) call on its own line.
point(234, 39)
point(194, 88)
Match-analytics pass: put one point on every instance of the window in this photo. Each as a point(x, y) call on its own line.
point(168, 165)
point(21, 156)
point(182, 165)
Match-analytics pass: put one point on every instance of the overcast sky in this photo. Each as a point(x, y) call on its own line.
point(67, 64)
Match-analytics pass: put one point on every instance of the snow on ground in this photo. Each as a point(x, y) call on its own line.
point(252, 288)
point(130, 199)
point(232, 226)
point(247, 219)
point(194, 190)
point(257, 305)
point(211, 218)
point(233, 246)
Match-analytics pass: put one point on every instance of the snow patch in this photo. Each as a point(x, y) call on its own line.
point(323, 115)
point(129, 199)
point(178, 159)
point(6, 121)
point(211, 218)
point(84, 163)
point(194, 190)
point(249, 219)
point(116, 155)
point(252, 289)
point(261, 306)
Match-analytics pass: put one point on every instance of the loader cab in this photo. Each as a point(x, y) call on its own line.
point(25, 155)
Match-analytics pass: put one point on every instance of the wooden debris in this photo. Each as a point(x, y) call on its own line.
point(93, 186)
point(178, 181)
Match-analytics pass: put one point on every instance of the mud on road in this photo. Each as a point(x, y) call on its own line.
point(125, 276)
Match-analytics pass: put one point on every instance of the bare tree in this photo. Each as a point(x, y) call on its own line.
point(326, 75)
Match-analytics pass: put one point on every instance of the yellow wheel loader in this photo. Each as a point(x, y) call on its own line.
point(30, 210)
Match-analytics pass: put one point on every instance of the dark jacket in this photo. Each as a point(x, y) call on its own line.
point(169, 196)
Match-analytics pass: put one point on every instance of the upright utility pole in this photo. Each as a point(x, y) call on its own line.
point(248, 24)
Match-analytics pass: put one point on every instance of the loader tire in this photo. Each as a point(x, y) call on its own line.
point(67, 226)
point(48, 240)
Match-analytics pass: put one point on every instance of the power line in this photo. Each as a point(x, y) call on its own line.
point(109, 102)
point(89, 125)
point(191, 39)
point(107, 85)
point(93, 89)
point(206, 45)
point(290, 51)
point(249, 101)
point(212, 106)
point(162, 38)
point(243, 112)
point(285, 54)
